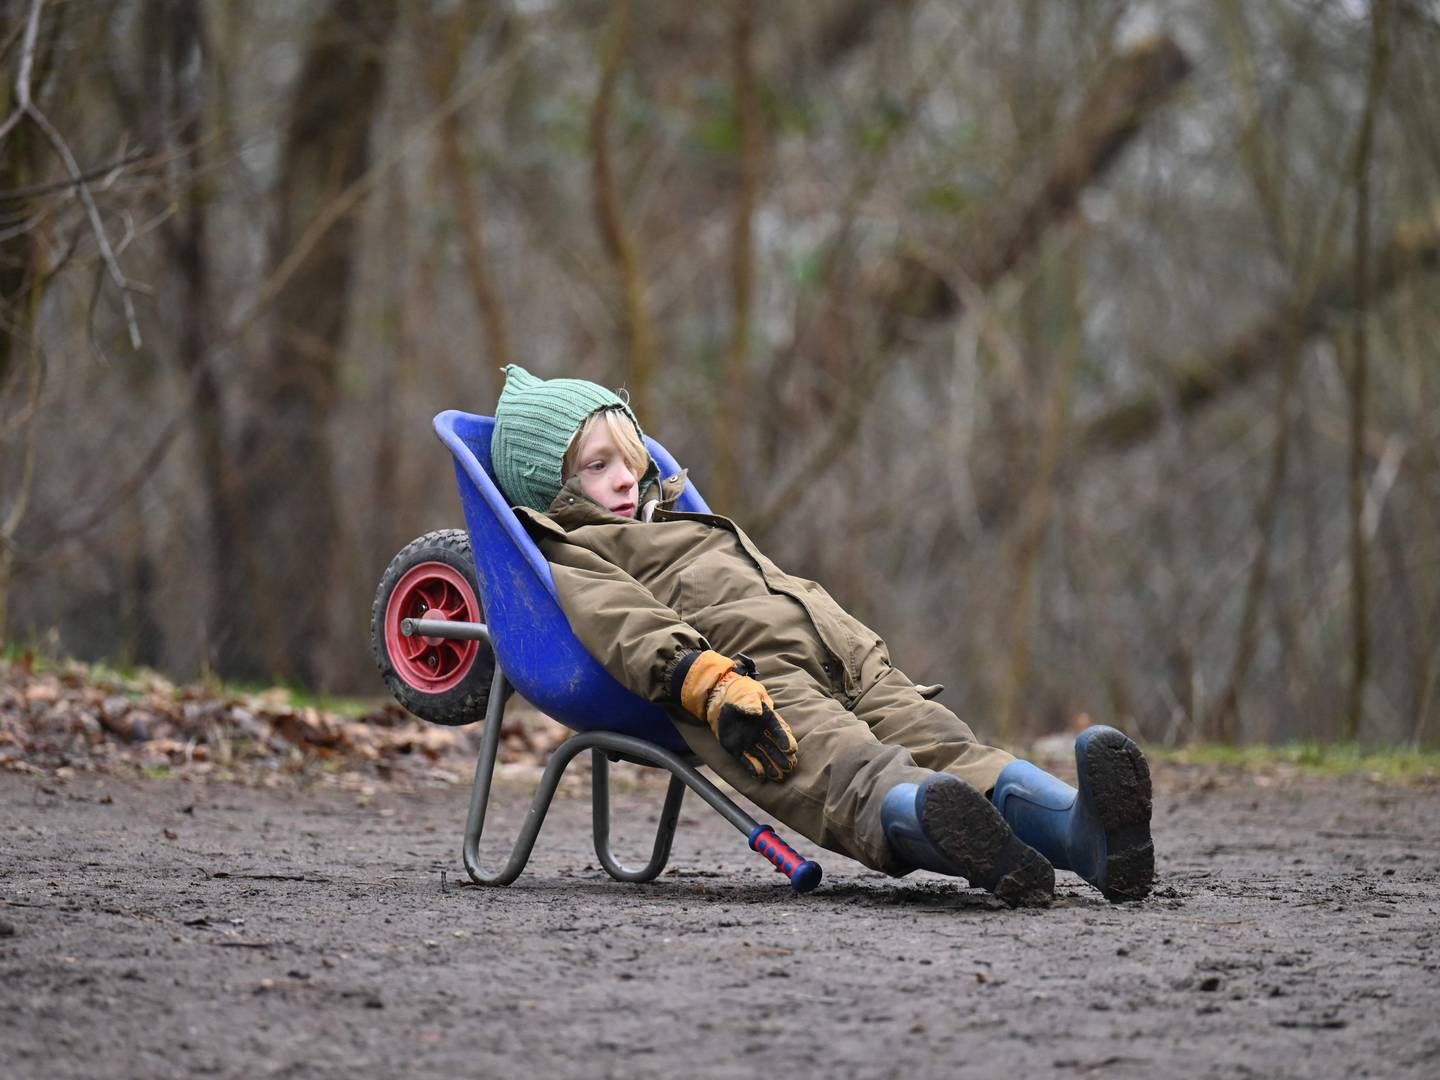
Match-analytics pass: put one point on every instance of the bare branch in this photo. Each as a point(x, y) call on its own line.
point(1198, 380)
point(27, 107)
point(860, 383)
point(102, 240)
point(117, 496)
point(353, 195)
point(736, 373)
point(27, 63)
point(1111, 116)
point(107, 172)
point(144, 470)
point(1134, 84)
point(850, 27)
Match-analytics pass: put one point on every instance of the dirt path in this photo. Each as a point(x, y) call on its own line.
point(166, 929)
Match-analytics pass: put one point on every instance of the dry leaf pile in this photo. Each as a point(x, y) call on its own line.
point(77, 718)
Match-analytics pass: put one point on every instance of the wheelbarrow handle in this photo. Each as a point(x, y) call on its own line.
point(804, 874)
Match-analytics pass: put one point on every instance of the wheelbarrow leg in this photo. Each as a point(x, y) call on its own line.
point(664, 835)
point(804, 874)
point(480, 794)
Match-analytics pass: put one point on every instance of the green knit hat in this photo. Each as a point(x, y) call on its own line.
point(535, 419)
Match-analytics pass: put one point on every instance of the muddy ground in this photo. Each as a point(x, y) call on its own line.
point(158, 928)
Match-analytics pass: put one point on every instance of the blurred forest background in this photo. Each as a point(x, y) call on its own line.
point(1089, 350)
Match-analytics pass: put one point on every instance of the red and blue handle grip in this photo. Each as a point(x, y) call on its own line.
point(804, 874)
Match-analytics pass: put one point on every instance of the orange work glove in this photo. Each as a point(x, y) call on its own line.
point(740, 713)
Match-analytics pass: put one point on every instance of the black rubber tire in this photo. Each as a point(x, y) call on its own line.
point(464, 703)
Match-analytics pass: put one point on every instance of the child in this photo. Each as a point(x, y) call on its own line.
point(779, 690)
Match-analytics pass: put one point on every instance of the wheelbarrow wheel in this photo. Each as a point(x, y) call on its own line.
point(443, 680)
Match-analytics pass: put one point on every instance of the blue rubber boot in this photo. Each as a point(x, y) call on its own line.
point(1102, 830)
point(944, 824)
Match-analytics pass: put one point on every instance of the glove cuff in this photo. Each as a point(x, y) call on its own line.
point(679, 669)
point(695, 676)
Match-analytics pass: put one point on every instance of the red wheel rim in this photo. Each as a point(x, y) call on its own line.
point(431, 590)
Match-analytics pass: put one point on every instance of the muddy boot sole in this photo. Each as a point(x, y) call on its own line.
point(1115, 780)
point(962, 823)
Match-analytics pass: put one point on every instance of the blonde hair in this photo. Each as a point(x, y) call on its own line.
point(622, 433)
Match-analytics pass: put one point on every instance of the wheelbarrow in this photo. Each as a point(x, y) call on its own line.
point(464, 618)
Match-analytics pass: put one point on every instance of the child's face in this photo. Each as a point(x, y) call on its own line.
point(604, 474)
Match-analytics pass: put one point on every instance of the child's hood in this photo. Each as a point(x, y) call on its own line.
point(535, 420)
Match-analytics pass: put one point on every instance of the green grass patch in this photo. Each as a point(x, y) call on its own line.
point(294, 696)
point(348, 707)
point(1319, 759)
point(38, 659)
point(298, 698)
point(31, 653)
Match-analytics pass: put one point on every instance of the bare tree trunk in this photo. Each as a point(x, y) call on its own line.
point(19, 497)
point(444, 46)
point(1035, 516)
point(24, 275)
point(1359, 383)
point(21, 152)
point(384, 538)
point(175, 33)
point(280, 602)
point(1223, 723)
point(610, 217)
point(732, 395)
point(1420, 331)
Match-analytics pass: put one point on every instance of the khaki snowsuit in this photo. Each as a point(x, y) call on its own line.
point(639, 595)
